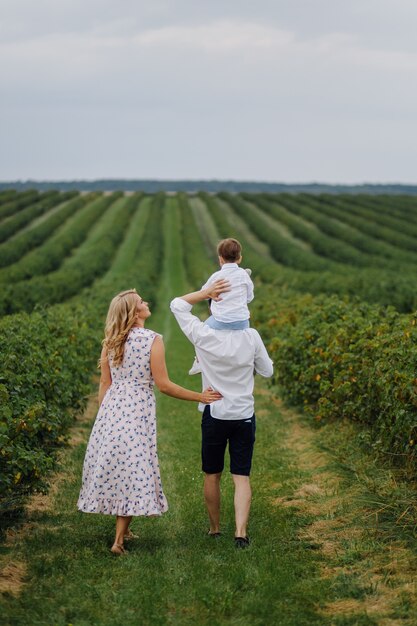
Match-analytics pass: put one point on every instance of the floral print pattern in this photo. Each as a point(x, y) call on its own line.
point(121, 469)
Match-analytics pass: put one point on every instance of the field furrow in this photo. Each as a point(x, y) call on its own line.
point(89, 261)
point(16, 222)
point(15, 203)
point(39, 231)
point(372, 228)
point(282, 249)
point(206, 227)
point(67, 237)
point(373, 213)
point(196, 258)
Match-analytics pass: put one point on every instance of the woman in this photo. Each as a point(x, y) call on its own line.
point(121, 470)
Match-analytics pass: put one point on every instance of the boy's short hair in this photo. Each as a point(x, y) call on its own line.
point(230, 250)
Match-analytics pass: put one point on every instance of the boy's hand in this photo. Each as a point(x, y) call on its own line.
point(214, 290)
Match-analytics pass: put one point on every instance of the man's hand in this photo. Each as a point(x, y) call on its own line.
point(214, 290)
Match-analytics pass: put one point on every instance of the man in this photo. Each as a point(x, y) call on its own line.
point(228, 361)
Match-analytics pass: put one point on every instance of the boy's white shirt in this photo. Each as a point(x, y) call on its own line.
point(233, 307)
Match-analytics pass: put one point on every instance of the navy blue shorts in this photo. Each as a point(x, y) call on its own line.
point(215, 434)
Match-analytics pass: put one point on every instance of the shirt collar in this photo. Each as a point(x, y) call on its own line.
point(227, 265)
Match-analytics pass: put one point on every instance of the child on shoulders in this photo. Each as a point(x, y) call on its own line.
point(231, 312)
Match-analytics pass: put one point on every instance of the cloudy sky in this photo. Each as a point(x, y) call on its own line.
point(273, 90)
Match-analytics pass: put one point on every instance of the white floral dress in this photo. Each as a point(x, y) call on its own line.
point(121, 470)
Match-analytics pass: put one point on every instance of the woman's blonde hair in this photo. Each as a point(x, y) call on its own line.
point(121, 317)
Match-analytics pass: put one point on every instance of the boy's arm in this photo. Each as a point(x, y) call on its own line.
point(249, 288)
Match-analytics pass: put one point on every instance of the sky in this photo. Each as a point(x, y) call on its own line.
point(273, 90)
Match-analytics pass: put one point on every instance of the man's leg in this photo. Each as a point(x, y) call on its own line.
point(212, 498)
point(213, 445)
point(243, 498)
point(241, 443)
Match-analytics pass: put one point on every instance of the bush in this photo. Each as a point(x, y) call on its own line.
point(342, 358)
point(46, 360)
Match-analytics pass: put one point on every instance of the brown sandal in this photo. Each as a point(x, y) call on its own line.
point(130, 535)
point(118, 549)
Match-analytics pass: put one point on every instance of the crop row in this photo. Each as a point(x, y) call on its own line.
point(325, 238)
point(6, 195)
point(12, 250)
point(52, 254)
point(386, 287)
point(371, 228)
point(91, 260)
point(344, 242)
point(13, 203)
point(346, 359)
point(138, 261)
point(375, 213)
point(391, 206)
point(282, 248)
point(197, 265)
point(371, 285)
point(13, 224)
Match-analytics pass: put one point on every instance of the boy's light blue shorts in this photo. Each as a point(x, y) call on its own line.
point(213, 323)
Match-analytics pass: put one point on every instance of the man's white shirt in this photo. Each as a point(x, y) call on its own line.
point(228, 360)
point(233, 306)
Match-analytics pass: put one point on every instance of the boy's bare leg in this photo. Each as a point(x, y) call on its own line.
point(212, 498)
point(243, 497)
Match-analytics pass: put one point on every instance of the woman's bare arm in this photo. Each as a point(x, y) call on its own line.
point(165, 385)
point(105, 377)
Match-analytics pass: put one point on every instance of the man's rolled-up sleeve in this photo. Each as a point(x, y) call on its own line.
point(264, 365)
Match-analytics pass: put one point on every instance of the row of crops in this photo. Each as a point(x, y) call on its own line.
point(339, 352)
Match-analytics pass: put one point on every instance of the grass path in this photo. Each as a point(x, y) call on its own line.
point(206, 226)
point(310, 562)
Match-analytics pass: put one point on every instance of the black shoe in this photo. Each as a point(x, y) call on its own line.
point(242, 542)
point(214, 535)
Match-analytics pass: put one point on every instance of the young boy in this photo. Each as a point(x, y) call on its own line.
point(231, 312)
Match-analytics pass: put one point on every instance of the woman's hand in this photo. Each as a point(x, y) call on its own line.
point(214, 290)
point(165, 385)
point(209, 395)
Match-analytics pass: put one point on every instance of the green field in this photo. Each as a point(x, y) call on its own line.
point(333, 521)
